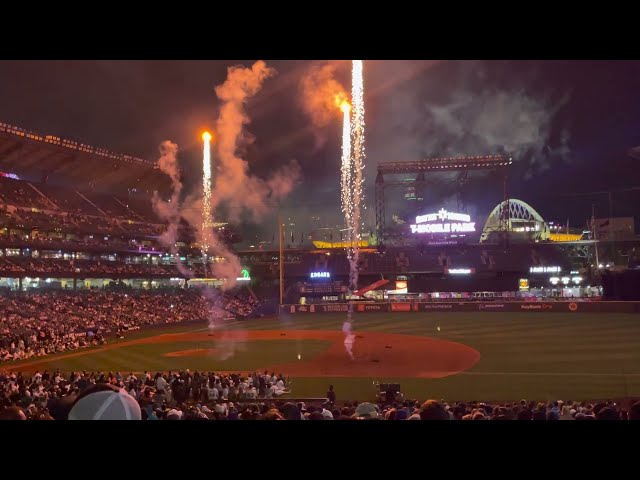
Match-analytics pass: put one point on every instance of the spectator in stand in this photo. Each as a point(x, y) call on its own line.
point(331, 396)
point(38, 324)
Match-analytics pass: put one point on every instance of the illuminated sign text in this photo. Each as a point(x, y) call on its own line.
point(544, 270)
point(450, 223)
point(320, 275)
point(460, 271)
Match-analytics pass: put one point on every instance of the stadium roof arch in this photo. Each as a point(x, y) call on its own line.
point(523, 221)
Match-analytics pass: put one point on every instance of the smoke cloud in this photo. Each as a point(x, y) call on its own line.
point(169, 211)
point(234, 186)
point(228, 269)
point(473, 108)
point(321, 94)
point(233, 182)
point(508, 122)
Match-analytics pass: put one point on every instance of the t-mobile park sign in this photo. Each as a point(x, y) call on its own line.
point(443, 222)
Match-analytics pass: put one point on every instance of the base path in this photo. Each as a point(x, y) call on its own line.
point(375, 354)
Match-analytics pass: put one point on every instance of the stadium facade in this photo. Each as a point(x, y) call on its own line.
point(74, 216)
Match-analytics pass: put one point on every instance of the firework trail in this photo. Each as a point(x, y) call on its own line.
point(207, 217)
point(358, 155)
point(345, 169)
point(352, 180)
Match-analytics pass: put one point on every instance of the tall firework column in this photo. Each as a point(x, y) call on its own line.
point(358, 155)
point(353, 155)
point(207, 215)
point(346, 190)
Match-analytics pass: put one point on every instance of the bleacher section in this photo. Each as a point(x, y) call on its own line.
point(30, 204)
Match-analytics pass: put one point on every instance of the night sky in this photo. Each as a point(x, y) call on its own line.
point(567, 124)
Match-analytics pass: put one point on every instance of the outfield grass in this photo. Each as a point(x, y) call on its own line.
point(523, 355)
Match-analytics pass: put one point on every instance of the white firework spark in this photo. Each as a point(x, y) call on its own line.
point(353, 155)
point(207, 217)
point(358, 155)
point(345, 169)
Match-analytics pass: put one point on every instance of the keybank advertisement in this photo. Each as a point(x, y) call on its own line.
point(536, 306)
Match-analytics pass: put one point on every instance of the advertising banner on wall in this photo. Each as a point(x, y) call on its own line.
point(332, 307)
point(447, 307)
point(372, 307)
point(400, 307)
point(298, 308)
point(526, 307)
point(493, 307)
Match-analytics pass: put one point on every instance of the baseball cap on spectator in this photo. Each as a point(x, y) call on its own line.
point(105, 402)
point(174, 414)
point(327, 414)
point(366, 410)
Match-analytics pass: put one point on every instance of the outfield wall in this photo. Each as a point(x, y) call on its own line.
point(542, 307)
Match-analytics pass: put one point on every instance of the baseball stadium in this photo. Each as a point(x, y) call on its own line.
point(109, 281)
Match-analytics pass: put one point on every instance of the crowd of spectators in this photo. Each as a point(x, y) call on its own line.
point(74, 222)
point(71, 242)
point(19, 193)
point(242, 306)
point(68, 209)
point(167, 396)
point(38, 324)
point(215, 396)
point(58, 267)
point(7, 265)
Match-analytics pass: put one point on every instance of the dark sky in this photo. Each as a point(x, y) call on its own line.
point(567, 124)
